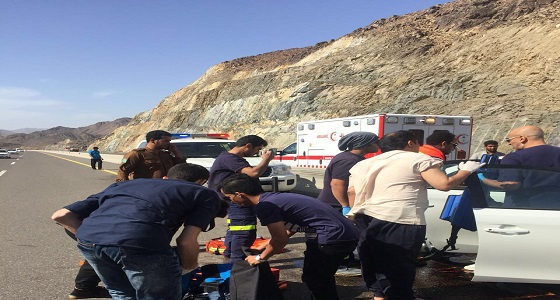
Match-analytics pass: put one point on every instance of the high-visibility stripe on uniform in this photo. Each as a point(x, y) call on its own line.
point(242, 227)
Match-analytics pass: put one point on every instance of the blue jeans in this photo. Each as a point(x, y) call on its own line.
point(133, 274)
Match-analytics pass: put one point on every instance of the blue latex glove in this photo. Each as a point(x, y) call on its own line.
point(345, 210)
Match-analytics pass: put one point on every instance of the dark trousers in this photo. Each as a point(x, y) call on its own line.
point(320, 263)
point(99, 163)
point(86, 277)
point(388, 252)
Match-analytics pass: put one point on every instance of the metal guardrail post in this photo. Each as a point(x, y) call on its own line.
point(274, 184)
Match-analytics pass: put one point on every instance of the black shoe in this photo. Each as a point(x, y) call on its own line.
point(95, 292)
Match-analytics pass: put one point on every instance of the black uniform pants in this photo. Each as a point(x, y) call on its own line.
point(388, 252)
point(97, 161)
point(320, 263)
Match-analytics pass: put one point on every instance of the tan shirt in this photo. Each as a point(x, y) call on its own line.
point(145, 163)
point(389, 186)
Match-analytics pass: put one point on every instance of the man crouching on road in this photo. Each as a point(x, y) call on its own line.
point(125, 231)
point(330, 236)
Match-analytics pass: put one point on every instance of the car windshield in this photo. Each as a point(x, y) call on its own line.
point(204, 149)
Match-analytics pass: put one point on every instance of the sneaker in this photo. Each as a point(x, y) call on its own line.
point(95, 292)
point(469, 267)
point(345, 271)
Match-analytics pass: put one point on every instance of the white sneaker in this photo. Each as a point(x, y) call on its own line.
point(469, 267)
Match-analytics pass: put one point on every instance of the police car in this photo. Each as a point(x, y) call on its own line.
point(516, 232)
point(202, 149)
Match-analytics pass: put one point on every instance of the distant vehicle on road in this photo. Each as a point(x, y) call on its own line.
point(4, 153)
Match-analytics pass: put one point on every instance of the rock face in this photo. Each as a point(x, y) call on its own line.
point(495, 60)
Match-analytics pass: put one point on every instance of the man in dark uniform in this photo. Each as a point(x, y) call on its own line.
point(330, 235)
point(125, 231)
point(242, 227)
point(153, 161)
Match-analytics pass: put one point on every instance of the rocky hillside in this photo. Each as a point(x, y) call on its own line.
point(59, 138)
point(496, 60)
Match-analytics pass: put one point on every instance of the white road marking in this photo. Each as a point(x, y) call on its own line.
point(13, 163)
point(2, 172)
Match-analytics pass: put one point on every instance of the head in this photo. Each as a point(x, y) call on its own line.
point(250, 145)
point(196, 174)
point(491, 146)
point(399, 140)
point(158, 139)
point(362, 142)
point(239, 188)
point(443, 140)
point(95, 148)
point(525, 137)
point(189, 172)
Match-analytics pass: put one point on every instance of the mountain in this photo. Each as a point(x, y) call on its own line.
point(59, 138)
point(495, 60)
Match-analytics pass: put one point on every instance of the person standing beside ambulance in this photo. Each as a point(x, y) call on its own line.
point(153, 161)
point(439, 144)
point(355, 146)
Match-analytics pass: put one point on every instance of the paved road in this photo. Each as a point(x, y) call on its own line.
point(38, 261)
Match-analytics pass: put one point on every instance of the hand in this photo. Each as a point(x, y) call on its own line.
point(470, 166)
point(267, 155)
point(345, 210)
point(252, 260)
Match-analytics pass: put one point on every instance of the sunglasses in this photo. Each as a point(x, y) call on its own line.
point(512, 138)
point(454, 145)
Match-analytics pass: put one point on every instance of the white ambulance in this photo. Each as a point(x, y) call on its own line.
point(317, 141)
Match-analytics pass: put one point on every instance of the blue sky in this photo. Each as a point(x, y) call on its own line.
point(77, 62)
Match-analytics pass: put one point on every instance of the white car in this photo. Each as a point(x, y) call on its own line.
point(203, 151)
point(516, 238)
point(4, 153)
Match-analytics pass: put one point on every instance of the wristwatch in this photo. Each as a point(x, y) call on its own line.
point(258, 258)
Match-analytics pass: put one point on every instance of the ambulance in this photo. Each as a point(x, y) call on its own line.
point(317, 141)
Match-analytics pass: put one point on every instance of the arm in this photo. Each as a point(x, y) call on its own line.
point(257, 170)
point(177, 154)
point(351, 196)
point(339, 189)
point(187, 247)
point(67, 219)
point(129, 163)
point(278, 240)
point(437, 178)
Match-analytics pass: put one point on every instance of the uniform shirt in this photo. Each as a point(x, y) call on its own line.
point(390, 187)
point(144, 213)
point(146, 163)
point(329, 225)
point(432, 151)
point(225, 165)
point(545, 156)
point(339, 168)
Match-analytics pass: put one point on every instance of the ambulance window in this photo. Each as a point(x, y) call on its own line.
point(370, 121)
point(311, 126)
point(346, 123)
point(419, 133)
